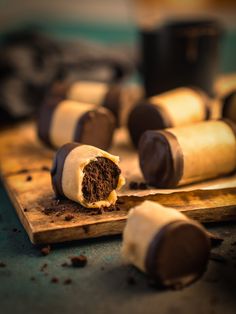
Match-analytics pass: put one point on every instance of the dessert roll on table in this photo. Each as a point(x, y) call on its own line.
point(229, 106)
point(174, 108)
point(118, 98)
point(183, 155)
point(87, 175)
point(165, 244)
point(61, 121)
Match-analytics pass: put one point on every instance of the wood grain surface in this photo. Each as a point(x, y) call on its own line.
point(25, 165)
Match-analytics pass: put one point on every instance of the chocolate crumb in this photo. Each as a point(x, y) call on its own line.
point(2, 264)
point(46, 250)
point(69, 217)
point(86, 228)
point(64, 264)
point(78, 261)
point(28, 178)
point(23, 171)
point(133, 185)
point(143, 186)
point(44, 267)
point(25, 209)
point(131, 281)
point(54, 280)
point(45, 168)
point(67, 281)
point(120, 201)
point(218, 258)
point(138, 185)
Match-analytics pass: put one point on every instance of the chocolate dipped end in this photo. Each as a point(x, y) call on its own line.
point(227, 103)
point(45, 117)
point(178, 254)
point(96, 128)
point(112, 102)
point(161, 159)
point(101, 177)
point(58, 165)
point(146, 116)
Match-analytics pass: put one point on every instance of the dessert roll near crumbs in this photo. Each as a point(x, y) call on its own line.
point(174, 108)
point(229, 106)
point(173, 157)
point(118, 98)
point(165, 244)
point(87, 175)
point(61, 121)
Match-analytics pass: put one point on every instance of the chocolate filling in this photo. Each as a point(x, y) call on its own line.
point(100, 179)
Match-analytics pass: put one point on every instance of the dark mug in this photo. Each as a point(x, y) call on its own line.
point(182, 53)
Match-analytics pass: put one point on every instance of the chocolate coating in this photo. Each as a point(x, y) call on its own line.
point(112, 101)
point(227, 102)
point(160, 159)
point(96, 128)
point(178, 254)
point(146, 116)
point(58, 165)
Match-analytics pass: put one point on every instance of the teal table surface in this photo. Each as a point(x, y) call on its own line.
point(105, 285)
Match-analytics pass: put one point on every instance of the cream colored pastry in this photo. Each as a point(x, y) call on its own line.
point(209, 150)
point(182, 105)
point(143, 223)
point(72, 176)
point(88, 92)
point(65, 119)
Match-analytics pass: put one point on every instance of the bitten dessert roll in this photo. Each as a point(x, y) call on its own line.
point(165, 244)
point(118, 98)
point(174, 108)
point(87, 175)
point(63, 121)
point(183, 155)
point(229, 106)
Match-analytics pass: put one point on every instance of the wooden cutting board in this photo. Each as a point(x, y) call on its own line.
point(25, 165)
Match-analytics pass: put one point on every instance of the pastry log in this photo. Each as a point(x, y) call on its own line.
point(62, 121)
point(174, 108)
point(183, 155)
point(165, 244)
point(118, 98)
point(87, 175)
